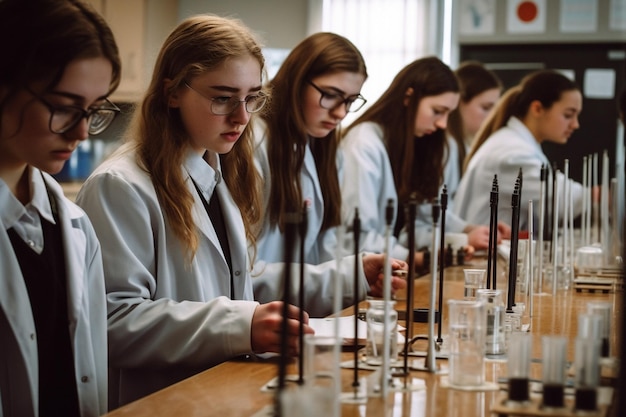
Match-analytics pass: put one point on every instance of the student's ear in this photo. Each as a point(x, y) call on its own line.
point(535, 108)
point(172, 95)
point(407, 96)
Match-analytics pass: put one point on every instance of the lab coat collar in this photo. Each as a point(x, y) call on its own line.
point(40, 198)
point(520, 128)
point(204, 175)
point(12, 209)
point(207, 178)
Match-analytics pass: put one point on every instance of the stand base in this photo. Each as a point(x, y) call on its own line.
point(533, 407)
point(272, 384)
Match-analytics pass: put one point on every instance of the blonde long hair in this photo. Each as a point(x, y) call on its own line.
point(198, 44)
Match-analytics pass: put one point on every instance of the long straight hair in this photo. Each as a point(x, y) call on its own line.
point(199, 44)
point(319, 54)
point(417, 164)
point(545, 86)
point(474, 79)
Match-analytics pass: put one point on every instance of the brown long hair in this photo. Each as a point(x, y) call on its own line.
point(417, 165)
point(38, 44)
point(198, 44)
point(474, 79)
point(546, 86)
point(320, 53)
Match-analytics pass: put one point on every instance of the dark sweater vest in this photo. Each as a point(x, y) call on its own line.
point(45, 278)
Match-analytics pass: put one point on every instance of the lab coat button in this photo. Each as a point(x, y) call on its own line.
point(31, 243)
point(237, 273)
point(32, 336)
point(84, 379)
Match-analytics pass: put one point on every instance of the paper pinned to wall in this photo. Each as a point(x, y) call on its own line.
point(477, 17)
point(579, 16)
point(599, 83)
point(526, 16)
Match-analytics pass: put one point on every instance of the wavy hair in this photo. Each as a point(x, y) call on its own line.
point(199, 44)
point(319, 54)
point(414, 163)
point(545, 86)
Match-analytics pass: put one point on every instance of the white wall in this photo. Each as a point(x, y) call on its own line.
point(279, 23)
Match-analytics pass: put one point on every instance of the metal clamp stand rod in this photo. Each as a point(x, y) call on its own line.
point(555, 236)
point(542, 214)
point(430, 363)
point(386, 372)
point(553, 213)
point(290, 234)
point(302, 230)
point(356, 230)
point(514, 245)
point(442, 245)
point(531, 258)
point(493, 235)
point(412, 209)
point(583, 214)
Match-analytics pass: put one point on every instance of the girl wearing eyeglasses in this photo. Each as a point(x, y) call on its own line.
point(296, 153)
point(59, 64)
point(174, 209)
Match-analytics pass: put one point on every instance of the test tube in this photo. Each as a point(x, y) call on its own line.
point(519, 366)
point(586, 360)
point(496, 339)
point(604, 310)
point(553, 352)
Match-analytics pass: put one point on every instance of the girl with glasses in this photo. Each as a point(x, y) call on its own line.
point(59, 64)
point(296, 154)
point(174, 209)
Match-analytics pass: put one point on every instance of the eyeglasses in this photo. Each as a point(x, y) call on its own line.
point(331, 101)
point(65, 118)
point(221, 106)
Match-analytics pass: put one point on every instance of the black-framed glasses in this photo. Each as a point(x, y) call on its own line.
point(65, 118)
point(331, 101)
point(222, 106)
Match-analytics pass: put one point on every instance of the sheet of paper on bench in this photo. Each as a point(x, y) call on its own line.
point(326, 327)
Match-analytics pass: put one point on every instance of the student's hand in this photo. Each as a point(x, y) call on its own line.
point(373, 265)
point(418, 260)
point(478, 236)
point(504, 231)
point(267, 327)
point(469, 252)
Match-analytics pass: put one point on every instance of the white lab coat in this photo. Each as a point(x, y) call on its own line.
point(168, 318)
point(510, 148)
point(320, 247)
point(19, 389)
point(368, 184)
point(451, 170)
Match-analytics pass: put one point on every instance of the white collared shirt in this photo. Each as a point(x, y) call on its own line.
point(25, 219)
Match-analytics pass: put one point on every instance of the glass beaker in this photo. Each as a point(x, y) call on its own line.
point(474, 280)
point(467, 330)
point(376, 322)
point(495, 341)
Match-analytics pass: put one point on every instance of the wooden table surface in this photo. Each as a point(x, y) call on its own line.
point(234, 388)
